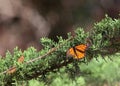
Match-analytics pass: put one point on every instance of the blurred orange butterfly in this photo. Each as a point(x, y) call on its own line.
point(21, 59)
point(13, 69)
point(77, 52)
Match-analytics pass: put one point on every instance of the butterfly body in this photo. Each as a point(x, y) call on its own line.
point(77, 52)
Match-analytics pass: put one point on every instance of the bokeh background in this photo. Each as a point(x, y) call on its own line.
point(24, 22)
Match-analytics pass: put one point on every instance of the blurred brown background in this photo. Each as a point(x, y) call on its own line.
point(24, 22)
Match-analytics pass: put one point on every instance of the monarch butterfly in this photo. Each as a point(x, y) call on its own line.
point(21, 59)
point(77, 52)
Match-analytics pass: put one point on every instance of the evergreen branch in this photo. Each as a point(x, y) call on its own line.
point(104, 40)
point(40, 57)
point(49, 52)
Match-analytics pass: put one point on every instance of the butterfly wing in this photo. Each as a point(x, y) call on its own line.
point(80, 51)
point(81, 48)
point(71, 53)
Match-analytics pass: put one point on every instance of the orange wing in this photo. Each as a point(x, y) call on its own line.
point(77, 52)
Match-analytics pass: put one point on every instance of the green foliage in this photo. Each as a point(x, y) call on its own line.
point(101, 72)
point(104, 31)
point(50, 66)
point(35, 83)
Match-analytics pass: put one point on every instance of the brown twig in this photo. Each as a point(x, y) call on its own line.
point(43, 56)
point(49, 52)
